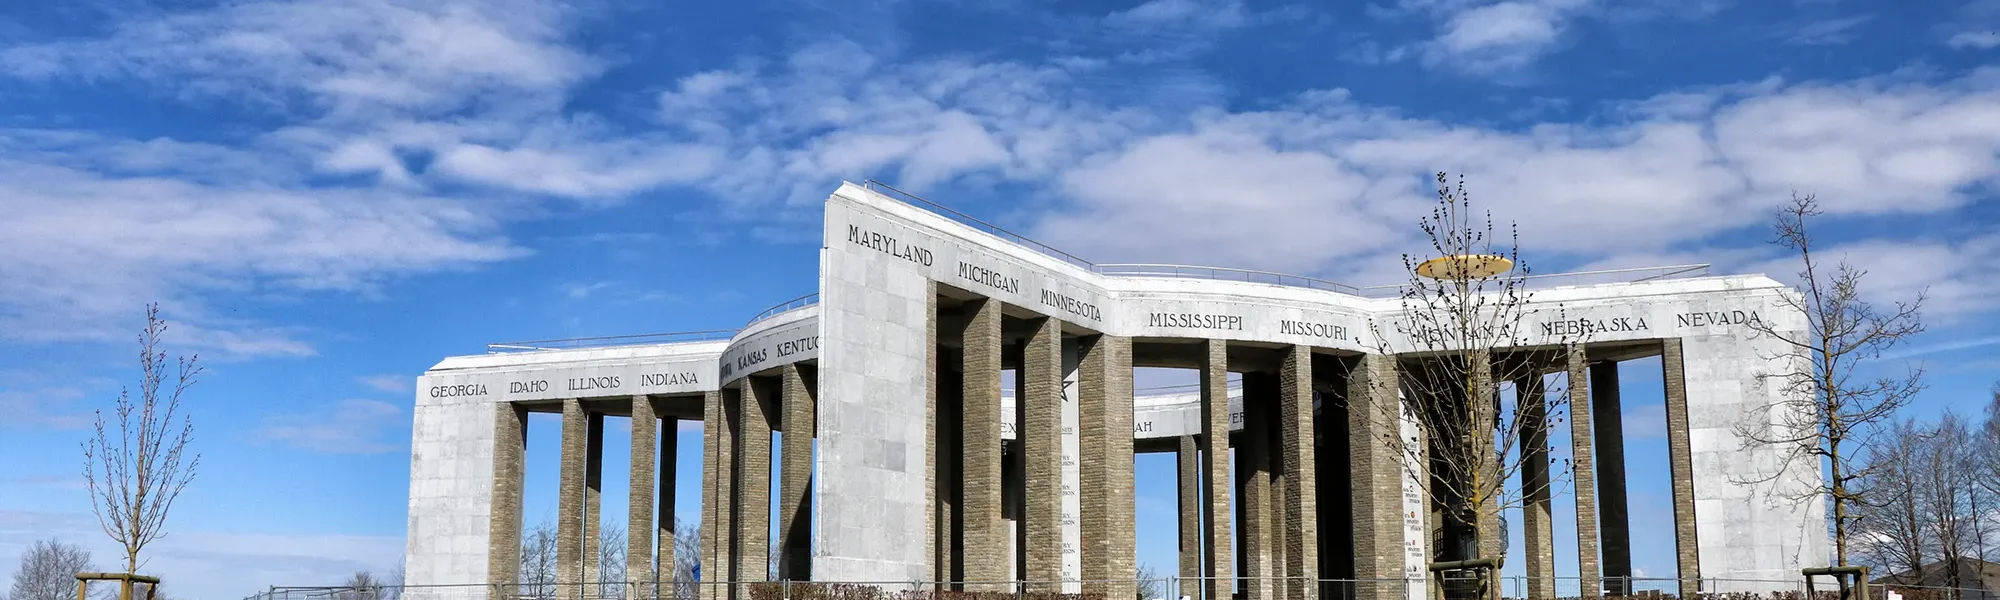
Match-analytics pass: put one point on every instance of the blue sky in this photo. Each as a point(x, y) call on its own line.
point(328, 196)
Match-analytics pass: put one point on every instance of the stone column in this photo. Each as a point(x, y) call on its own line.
point(1040, 396)
point(1372, 413)
point(986, 536)
point(1105, 418)
point(753, 483)
point(1486, 414)
point(1253, 486)
point(711, 430)
point(639, 509)
point(1188, 480)
point(510, 452)
point(1300, 472)
point(720, 530)
point(665, 520)
point(1614, 527)
point(950, 520)
point(569, 501)
point(1537, 533)
point(1687, 555)
point(1215, 469)
point(795, 478)
point(937, 519)
point(593, 506)
point(1584, 466)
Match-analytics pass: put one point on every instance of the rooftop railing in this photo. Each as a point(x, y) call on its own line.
point(784, 307)
point(1254, 276)
point(1224, 274)
point(612, 340)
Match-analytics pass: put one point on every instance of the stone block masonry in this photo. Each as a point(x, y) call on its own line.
point(1378, 478)
point(1300, 473)
point(510, 454)
point(1041, 400)
point(795, 478)
point(753, 482)
point(986, 544)
point(1216, 561)
point(639, 515)
point(1584, 467)
point(569, 501)
point(1687, 552)
point(1538, 536)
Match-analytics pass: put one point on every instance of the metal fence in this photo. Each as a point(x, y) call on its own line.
point(1168, 588)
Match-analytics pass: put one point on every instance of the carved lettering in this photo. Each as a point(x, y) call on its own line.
point(608, 382)
point(453, 391)
point(1581, 327)
point(804, 344)
point(1720, 317)
point(1194, 321)
point(1309, 328)
point(888, 245)
point(527, 387)
point(664, 379)
point(1072, 306)
point(988, 277)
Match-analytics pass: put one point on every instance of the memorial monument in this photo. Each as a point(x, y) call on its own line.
point(903, 459)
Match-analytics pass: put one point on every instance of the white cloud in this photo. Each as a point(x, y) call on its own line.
point(1981, 40)
point(1647, 422)
point(83, 250)
point(1485, 38)
point(394, 384)
point(1975, 26)
point(351, 426)
point(1196, 14)
point(1348, 177)
point(348, 58)
point(1826, 32)
point(215, 564)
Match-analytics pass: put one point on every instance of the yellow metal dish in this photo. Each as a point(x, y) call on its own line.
point(1465, 266)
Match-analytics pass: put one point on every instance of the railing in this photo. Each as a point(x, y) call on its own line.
point(1255, 276)
point(1145, 588)
point(1223, 273)
point(1629, 275)
point(784, 307)
point(976, 223)
point(612, 340)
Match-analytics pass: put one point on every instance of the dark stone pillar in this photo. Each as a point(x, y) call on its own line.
point(1215, 470)
point(1584, 467)
point(801, 410)
point(1039, 397)
point(1188, 479)
point(1537, 533)
point(986, 539)
point(1615, 527)
point(1686, 544)
point(510, 451)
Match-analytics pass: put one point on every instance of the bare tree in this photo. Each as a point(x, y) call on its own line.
point(393, 588)
point(538, 562)
point(48, 571)
point(687, 555)
point(1946, 489)
point(1827, 417)
point(611, 576)
point(1891, 528)
point(1466, 326)
point(361, 586)
point(135, 475)
point(1151, 586)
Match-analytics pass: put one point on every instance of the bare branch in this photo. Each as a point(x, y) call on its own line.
point(135, 475)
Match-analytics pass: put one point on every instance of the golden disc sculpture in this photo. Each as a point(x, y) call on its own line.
point(1464, 266)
